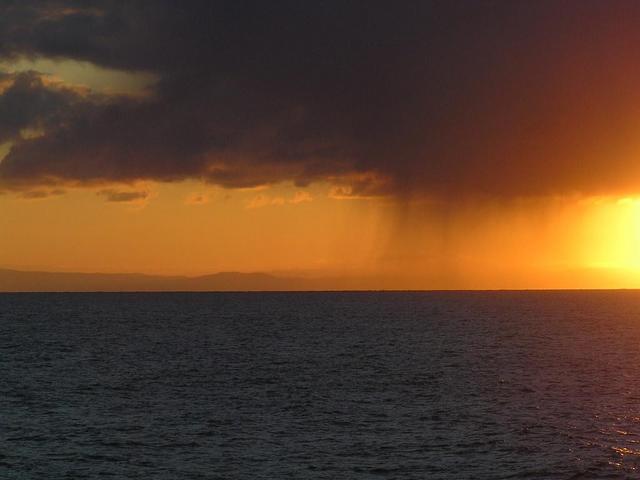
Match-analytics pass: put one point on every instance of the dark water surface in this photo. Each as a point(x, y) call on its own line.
point(320, 385)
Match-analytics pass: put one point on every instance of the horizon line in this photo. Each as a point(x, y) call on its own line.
point(382, 290)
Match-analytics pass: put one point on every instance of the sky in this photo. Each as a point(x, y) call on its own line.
point(427, 144)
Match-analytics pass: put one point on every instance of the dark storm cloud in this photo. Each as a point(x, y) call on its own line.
point(27, 102)
point(449, 98)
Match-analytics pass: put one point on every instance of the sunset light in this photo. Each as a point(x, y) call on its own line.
point(484, 154)
point(615, 233)
point(320, 239)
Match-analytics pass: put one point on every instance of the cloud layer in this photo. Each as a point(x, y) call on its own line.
point(432, 98)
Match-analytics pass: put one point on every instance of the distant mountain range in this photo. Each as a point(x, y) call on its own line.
point(12, 280)
point(28, 281)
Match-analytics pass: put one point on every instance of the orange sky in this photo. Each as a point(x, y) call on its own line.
point(190, 228)
point(193, 228)
point(543, 194)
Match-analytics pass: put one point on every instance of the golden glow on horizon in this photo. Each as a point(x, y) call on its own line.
point(190, 228)
point(615, 235)
point(177, 232)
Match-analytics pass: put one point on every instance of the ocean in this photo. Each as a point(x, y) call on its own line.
point(416, 385)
